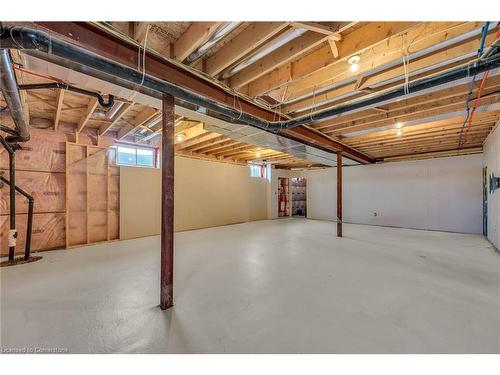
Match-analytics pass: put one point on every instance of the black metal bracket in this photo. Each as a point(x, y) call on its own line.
point(494, 183)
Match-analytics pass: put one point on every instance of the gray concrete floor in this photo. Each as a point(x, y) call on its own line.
point(281, 286)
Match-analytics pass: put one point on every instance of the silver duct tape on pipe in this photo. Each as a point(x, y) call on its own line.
point(13, 99)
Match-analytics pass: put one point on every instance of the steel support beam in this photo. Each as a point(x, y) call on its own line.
point(116, 48)
point(167, 203)
point(12, 203)
point(339, 194)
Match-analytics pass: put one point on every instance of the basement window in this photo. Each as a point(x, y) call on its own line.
point(258, 170)
point(135, 156)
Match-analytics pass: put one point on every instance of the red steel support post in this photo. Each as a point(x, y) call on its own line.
point(339, 194)
point(167, 203)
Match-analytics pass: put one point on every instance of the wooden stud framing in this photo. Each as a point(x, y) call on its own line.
point(60, 102)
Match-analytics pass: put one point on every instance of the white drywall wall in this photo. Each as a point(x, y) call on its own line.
point(492, 163)
point(437, 194)
point(206, 194)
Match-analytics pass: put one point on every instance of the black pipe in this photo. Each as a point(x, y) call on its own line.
point(29, 228)
point(8, 130)
point(62, 86)
point(40, 44)
point(12, 198)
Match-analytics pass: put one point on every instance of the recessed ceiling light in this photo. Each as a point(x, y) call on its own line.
point(180, 137)
point(353, 62)
point(257, 154)
point(354, 59)
point(399, 125)
point(399, 133)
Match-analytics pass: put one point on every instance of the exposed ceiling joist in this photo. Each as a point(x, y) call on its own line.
point(91, 106)
point(286, 53)
point(356, 41)
point(194, 37)
point(139, 120)
point(123, 110)
point(59, 102)
point(254, 36)
point(319, 28)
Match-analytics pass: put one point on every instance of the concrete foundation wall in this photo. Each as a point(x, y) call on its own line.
point(492, 163)
point(207, 194)
point(436, 194)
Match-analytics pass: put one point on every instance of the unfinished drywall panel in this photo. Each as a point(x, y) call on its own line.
point(140, 202)
point(437, 194)
point(207, 194)
point(492, 163)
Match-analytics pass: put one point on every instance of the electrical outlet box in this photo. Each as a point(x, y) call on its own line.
point(494, 183)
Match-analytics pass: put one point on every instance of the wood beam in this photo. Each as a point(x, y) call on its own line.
point(122, 112)
point(254, 36)
point(194, 37)
point(321, 59)
point(318, 28)
point(142, 117)
point(441, 108)
point(140, 29)
point(91, 37)
point(416, 104)
point(289, 52)
point(437, 154)
point(59, 101)
point(195, 140)
point(390, 53)
point(167, 204)
point(91, 106)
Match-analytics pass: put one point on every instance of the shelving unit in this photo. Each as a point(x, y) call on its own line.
point(299, 196)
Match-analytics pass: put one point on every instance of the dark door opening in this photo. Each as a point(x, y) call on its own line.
point(299, 196)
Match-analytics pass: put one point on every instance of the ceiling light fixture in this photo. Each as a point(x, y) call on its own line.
point(353, 61)
point(399, 125)
point(399, 133)
point(180, 137)
point(257, 154)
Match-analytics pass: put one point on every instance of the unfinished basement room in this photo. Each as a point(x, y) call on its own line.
point(250, 187)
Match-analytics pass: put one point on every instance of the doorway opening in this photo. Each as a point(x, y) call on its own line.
point(299, 196)
point(283, 197)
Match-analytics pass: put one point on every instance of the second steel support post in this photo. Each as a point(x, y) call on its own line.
point(12, 203)
point(167, 203)
point(339, 194)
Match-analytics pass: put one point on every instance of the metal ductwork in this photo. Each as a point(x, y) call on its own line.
point(13, 99)
point(40, 44)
